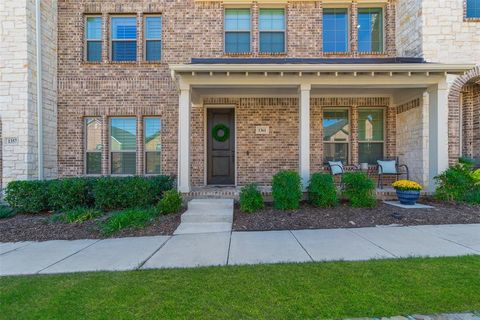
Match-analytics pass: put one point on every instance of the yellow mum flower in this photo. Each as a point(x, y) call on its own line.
point(407, 185)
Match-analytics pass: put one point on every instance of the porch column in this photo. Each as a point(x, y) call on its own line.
point(304, 143)
point(183, 176)
point(438, 130)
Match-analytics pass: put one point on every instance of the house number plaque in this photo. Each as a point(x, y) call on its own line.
point(262, 130)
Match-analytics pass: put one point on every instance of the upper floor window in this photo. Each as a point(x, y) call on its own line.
point(370, 30)
point(153, 38)
point(272, 30)
point(335, 30)
point(473, 9)
point(124, 38)
point(237, 30)
point(93, 38)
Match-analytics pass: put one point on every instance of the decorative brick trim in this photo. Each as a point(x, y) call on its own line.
point(415, 103)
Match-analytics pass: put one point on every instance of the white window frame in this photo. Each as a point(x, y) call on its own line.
point(145, 151)
point(85, 149)
point(384, 141)
point(86, 39)
point(237, 31)
point(110, 151)
point(152, 39)
point(123, 40)
point(349, 141)
point(272, 31)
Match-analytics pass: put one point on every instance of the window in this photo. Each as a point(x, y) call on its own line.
point(336, 135)
point(124, 38)
point(335, 30)
point(93, 149)
point(93, 38)
point(272, 30)
point(123, 145)
point(153, 145)
point(237, 30)
point(473, 9)
point(153, 38)
point(370, 135)
point(370, 30)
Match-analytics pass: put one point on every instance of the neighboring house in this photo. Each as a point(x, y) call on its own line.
point(230, 92)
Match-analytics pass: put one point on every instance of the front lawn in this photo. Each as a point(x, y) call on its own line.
point(289, 291)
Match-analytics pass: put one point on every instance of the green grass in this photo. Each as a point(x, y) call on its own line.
point(81, 214)
point(128, 218)
point(289, 291)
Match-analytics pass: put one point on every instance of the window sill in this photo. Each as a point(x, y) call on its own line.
point(476, 19)
point(237, 54)
point(365, 53)
point(272, 53)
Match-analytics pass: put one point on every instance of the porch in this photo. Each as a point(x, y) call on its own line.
point(280, 114)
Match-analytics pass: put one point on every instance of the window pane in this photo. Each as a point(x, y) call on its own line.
point(335, 152)
point(94, 163)
point(94, 28)
point(123, 134)
point(272, 42)
point(93, 134)
point(370, 30)
point(237, 42)
point(94, 51)
point(154, 50)
point(370, 125)
point(153, 138)
point(473, 8)
point(124, 28)
point(370, 152)
point(272, 19)
point(335, 30)
point(237, 20)
point(124, 162)
point(336, 127)
point(153, 163)
point(153, 28)
point(124, 50)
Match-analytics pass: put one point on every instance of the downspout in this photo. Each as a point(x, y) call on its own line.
point(38, 35)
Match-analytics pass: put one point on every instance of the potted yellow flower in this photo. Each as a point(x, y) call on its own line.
point(408, 191)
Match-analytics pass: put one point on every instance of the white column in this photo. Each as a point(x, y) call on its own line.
point(184, 139)
point(304, 134)
point(438, 131)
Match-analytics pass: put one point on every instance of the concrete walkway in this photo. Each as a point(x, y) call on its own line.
point(233, 248)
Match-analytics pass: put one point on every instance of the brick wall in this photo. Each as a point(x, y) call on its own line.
point(471, 121)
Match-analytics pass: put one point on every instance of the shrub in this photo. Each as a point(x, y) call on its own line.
point(359, 190)
point(119, 193)
point(322, 191)
point(128, 218)
point(456, 182)
point(27, 196)
point(6, 212)
point(286, 190)
point(171, 202)
point(70, 193)
point(251, 199)
point(81, 214)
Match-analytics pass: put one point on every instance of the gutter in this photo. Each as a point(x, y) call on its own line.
point(38, 36)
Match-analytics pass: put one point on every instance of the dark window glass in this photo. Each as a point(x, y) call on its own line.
point(124, 38)
point(124, 51)
point(370, 30)
point(473, 8)
point(153, 38)
point(94, 51)
point(237, 30)
point(335, 30)
point(94, 162)
point(93, 37)
point(272, 30)
point(124, 163)
point(370, 152)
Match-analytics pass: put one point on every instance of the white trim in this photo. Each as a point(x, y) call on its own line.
point(304, 133)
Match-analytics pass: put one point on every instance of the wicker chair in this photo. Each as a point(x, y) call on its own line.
point(391, 167)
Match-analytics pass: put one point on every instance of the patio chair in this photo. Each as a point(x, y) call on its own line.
point(391, 167)
point(338, 169)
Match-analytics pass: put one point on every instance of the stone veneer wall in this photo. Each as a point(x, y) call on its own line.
point(412, 137)
point(18, 88)
point(409, 28)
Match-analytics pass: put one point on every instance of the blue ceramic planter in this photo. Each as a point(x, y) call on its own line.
point(408, 197)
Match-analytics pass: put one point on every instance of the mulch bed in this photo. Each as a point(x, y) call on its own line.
point(40, 227)
point(342, 216)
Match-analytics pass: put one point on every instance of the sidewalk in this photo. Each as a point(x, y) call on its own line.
point(193, 250)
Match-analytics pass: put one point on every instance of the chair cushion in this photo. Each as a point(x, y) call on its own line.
point(388, 167)
point(336, 167)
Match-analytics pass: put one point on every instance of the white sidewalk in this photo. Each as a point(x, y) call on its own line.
point(225, 248)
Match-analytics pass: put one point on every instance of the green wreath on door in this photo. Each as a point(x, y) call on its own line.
point(221, 128)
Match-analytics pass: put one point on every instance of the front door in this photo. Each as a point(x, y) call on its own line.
point(221, 146)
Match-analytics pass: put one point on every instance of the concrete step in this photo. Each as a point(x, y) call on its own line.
point(203, 227)
point(212, 215)
point(209, 204)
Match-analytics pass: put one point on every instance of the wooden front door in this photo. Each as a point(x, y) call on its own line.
point(221, 146)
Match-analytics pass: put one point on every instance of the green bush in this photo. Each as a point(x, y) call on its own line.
point(251, 199)
point(458, 183)
point(128, 218)
point(359, 190)
point(70, 193)
point(119, 193)
point(322, 191)
point(81, 214)
point(6, 212)
point(171, 202)
point(286, 190)
point(29, 196)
